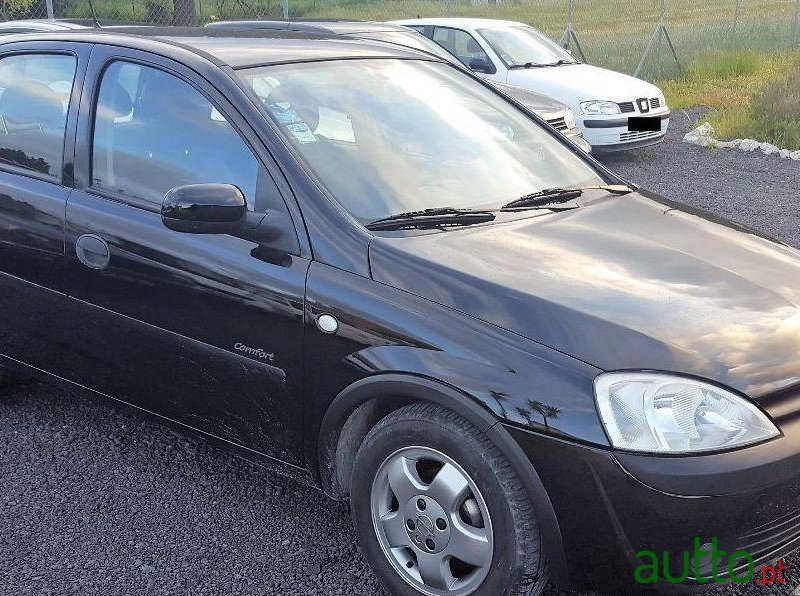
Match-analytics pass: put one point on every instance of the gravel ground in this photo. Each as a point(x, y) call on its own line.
point(761, 191)
point(96, 500)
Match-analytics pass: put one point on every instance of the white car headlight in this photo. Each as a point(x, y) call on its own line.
point(661, 413)
point(599, 107)
point(569, 119)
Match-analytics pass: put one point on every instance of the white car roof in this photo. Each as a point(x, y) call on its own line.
point(464, 23)
point(40, 25)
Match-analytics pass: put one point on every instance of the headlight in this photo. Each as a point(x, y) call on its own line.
point(660, 413)
point(599, 107)
point(582, 143)
point(569, 119)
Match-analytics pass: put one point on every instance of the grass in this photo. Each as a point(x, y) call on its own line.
point(772, 113)
point(724, 80)
point(751, 95)
point(613, 33)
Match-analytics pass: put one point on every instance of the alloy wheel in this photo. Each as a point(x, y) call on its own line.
point(432, 522)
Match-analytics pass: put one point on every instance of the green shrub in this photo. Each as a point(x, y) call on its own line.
point(771, 114)
point(776, 109)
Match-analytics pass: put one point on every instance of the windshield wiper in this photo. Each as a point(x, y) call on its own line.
point(549, 196)
point(431, 218)
point(528, 65)
point(543, 64)
point(437, 217)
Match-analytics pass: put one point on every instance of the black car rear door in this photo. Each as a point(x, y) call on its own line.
point(205, 330)
point(39, 92)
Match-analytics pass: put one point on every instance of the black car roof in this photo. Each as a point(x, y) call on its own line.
point(235, 48)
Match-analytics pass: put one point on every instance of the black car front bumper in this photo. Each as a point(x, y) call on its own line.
point(610, 506)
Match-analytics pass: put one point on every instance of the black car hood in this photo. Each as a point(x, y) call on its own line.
point(621, 283)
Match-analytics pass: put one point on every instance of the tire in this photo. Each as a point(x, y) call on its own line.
point(427, 489)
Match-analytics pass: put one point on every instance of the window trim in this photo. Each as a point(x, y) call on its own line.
point(28, 173)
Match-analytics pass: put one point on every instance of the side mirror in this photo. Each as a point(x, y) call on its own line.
point(481, 65)
point(204, 209)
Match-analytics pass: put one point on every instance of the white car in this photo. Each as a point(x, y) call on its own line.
point(614, 111)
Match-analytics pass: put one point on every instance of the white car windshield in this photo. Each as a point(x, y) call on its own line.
point(525, 46)
point(388, 136)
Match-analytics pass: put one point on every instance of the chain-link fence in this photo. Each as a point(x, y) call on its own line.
point(622, 34)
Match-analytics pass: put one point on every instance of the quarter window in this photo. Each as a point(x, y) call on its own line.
point(154, 132)
point(34, 97)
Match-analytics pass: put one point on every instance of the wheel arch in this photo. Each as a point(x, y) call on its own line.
point(356, 409)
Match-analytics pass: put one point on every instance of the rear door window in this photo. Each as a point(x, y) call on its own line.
point(34, 97)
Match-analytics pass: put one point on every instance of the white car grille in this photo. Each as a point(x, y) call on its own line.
point(627, 107)
point(558, 123)
point(627, 137)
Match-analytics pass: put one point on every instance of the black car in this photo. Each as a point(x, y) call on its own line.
point(366, 266)
point(557, 114)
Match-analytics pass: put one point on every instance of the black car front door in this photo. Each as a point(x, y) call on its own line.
point(205, 330)
point(38, 111)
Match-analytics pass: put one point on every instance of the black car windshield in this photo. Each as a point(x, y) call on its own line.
point(521, 45)
point(388, 136)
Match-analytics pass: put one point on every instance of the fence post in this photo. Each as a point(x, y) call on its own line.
point(736, 17)
point(285, 8)
point(570, 36)
point(795, 22)
point(49, 5)
point(659, 33)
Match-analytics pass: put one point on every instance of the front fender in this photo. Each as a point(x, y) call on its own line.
point(392, 348)
point(519, 387)
point(385, 330)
